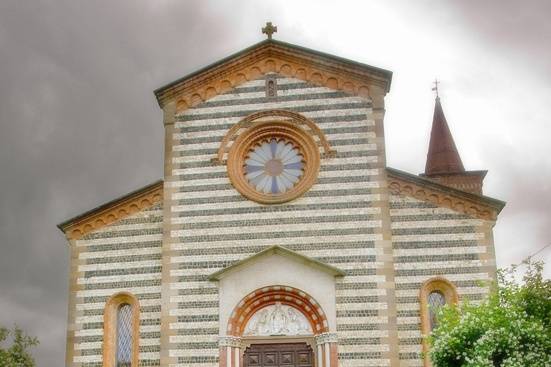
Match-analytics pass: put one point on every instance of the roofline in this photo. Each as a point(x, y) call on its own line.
point(481, 173)
point(282, 250)
point(119, 200)
point(494, 203)
point(160, 90)
point(209, 66)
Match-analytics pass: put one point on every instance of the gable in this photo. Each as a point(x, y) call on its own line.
point(274, 56)
point(282, 252)
point(281, 268)
point(477, 206)
point(246, 98)
point(113, 211)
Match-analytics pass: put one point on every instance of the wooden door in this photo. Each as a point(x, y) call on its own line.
point(279, 355)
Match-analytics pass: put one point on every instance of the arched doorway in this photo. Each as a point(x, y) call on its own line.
point(278, 326)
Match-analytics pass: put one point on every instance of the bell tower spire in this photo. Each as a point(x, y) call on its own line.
point(444, 164)
point(443, 157)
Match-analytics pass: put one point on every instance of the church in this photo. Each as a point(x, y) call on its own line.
point(278, 236)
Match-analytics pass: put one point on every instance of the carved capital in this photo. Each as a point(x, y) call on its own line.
point(326, 338)
point(230, 341)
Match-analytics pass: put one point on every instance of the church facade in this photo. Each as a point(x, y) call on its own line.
point(278, 236)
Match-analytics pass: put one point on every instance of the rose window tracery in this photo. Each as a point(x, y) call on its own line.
point(274, 166)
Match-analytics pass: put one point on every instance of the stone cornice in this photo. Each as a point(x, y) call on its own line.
point(479, 206)
point(279, 250)
point(112, 211)
point(275, 56)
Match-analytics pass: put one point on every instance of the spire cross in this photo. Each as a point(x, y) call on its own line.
point(269, 30)
point(435, 88)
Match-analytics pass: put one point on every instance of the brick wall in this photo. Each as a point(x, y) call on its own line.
point(338, 221)
point(343, 220)
point(429, 241)
point(124, 256)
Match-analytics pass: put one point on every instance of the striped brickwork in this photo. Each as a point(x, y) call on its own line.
point(429, 241)
point(338, 221)
point(124, 256)
point(387, 245)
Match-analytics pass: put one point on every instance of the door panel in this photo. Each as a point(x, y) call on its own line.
point(279, 355)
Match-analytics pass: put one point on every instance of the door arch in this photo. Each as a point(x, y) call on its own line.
point(300, 346)
point(267, 296)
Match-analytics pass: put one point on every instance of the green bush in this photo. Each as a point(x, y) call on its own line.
point(511, 328)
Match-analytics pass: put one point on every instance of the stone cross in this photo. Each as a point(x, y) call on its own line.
point(269, 30)
point(435, 88)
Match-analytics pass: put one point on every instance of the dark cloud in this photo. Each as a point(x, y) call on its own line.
point(519, 28)
point(80, 126)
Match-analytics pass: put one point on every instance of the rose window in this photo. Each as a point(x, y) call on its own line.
point(274, 167)
point(273, 162)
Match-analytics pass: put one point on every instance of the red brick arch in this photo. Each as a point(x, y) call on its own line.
point(250, 120)
point(266, 296)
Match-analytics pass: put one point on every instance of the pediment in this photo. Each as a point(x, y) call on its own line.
point(474, 205)
point(274, 56)
point(277, 251)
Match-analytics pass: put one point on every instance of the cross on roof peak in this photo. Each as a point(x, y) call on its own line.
point(269, 30)
point(435, 88)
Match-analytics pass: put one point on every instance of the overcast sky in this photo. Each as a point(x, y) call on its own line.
point(79, 124)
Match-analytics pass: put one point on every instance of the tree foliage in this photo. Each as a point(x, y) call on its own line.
point(511, 328)
point(16, 354)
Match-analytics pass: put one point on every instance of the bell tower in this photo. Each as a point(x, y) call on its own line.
point(444, 164)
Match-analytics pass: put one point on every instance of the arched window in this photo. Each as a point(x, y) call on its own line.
point(124, 335)
point(435, 293)
point(121, 331)
point(435, 301)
